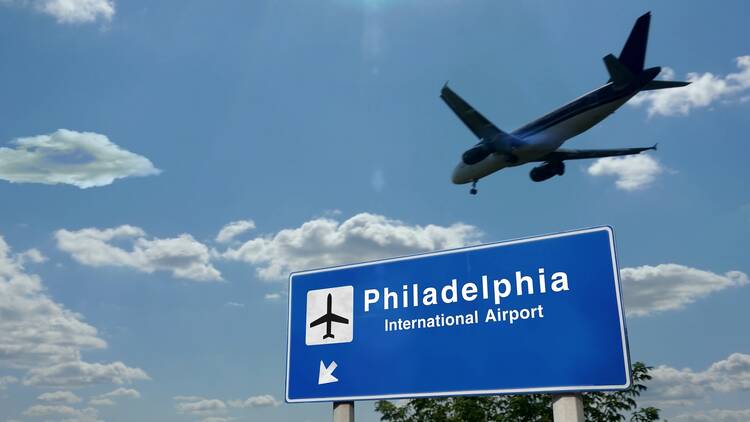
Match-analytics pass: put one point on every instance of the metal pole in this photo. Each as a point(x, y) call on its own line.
point(343, 411)
point(567, 408)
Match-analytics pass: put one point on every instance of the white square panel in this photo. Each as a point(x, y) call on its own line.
point(330, 316)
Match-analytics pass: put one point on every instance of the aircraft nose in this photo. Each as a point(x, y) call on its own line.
point(458, 176)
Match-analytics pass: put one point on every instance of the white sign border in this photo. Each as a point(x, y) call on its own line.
point(551, 390)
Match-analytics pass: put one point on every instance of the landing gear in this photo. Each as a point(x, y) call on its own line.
point(473, 190)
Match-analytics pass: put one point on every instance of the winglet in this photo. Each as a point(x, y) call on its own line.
point(654, 146)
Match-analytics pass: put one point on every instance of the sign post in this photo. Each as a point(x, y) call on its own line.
point(535, 315)
point(343, 411)
point(568, 408)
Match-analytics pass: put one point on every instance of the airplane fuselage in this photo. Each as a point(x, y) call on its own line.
point(548, 133)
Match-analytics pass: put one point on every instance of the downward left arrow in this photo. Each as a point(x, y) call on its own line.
point(325, 376)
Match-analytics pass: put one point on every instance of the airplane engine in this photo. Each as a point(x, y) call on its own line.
point(477, 154)
point(547, 171)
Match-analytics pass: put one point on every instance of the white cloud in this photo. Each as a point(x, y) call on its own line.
point(683, 386)
point(101, 402)
point(47, 410)
point(715, 415)
point(183, 256)
point(60, 396)
point(77, 11)
point(69, 414)
point(71, 11)
point(632, 172)
point(44, 338)
point(705, 90)
point(265, 400)
point(234, 229)
point(234, 305)
point(324, 241)
point(36, 332)
point(214, 410)
point(123, 392)
point(83, 373)
point(201, 407)
point(82, 159)
point(666, 287)
point(272, 296)
point(32, 255)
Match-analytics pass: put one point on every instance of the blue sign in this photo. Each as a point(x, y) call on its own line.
point(541, 314)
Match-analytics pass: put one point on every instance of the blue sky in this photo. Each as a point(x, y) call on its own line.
point(133, 132)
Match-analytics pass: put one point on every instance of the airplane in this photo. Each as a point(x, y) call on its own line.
point(328, 318)
point(540, 140)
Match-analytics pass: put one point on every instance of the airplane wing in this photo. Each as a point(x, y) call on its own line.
point(319, 321)
point(478, 124)
point(578, 154)
point(336, 318)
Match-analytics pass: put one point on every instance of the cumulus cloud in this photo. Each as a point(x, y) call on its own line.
point(71, 414)
point(234, 229)
point(44, 338)
point(77, 11)
point(705, 90)
point(71, 11)
point(326, 241)
point(83, 373)
point(215, 410)
point(666, 287)
point(97, 401)
point(715, 415)
point(201, 406)
point(183, 256)
point(633, 172)
point(36, 330)
point(684, 386)
point(123, 392)
point(32, 255)
point(60, 396)
point(265, 400)
point(81, 159)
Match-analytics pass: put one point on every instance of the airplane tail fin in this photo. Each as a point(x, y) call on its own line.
point(633, 54)
point(327, 336)
point(631, 62)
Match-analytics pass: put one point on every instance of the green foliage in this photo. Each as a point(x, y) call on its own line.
point(617, 406)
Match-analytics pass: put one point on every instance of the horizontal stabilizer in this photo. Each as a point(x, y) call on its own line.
point(619, 74)
point(663, 85)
